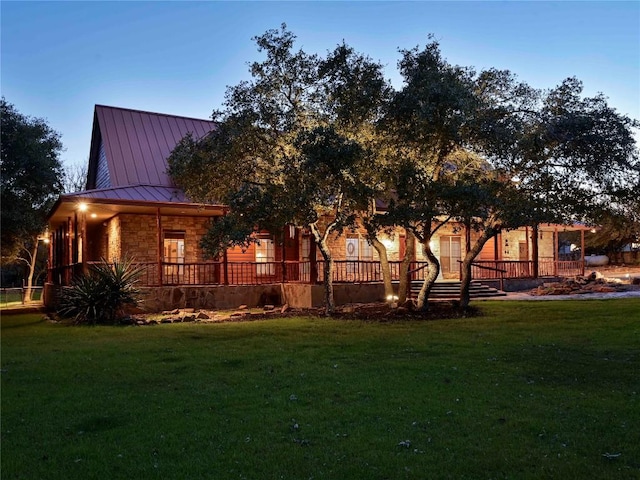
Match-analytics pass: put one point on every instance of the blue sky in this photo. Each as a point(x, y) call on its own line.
point(59, 59)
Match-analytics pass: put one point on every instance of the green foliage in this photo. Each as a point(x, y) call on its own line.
point(30, 175)
point(293, 144)
point(102, 295)
point(313, 136)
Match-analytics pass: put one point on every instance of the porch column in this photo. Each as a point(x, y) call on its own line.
point(313, 262)
point(50, 258)
point(83, 247)
point(75, 255)
point(556, 251)
point(69, 252)
point(582, 251)
point(225, 267)
point(534, 250)
point(159, 239)
point(284, 249)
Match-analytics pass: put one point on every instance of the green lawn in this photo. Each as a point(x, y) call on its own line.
point(528, 390)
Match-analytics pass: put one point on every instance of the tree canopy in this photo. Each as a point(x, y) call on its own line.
point(313, 141)
point(31, 175)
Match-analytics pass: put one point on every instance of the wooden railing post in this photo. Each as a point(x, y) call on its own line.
point(534, 250)
point(225, 267)
point(582, 251)
point(160, 246)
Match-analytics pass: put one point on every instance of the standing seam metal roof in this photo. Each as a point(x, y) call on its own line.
point(137, 143)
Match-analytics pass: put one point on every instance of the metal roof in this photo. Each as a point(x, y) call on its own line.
point(137, 143)
point(143, 193)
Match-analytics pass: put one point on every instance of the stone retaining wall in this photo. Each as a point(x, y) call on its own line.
point(215, 297)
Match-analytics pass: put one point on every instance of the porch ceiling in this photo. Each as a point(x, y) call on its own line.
point(99, 210)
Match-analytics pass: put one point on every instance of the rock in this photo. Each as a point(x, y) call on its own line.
point(237, 314)
point(188, 310)
point(635, 281)
point(189, 318)
point(166, 320)
point(348, 309)
point(242, 307)
point(202, 316)
point(285, 308)
point(175, 311)
point(268, 308)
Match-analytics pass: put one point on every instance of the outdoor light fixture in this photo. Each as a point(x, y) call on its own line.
point(93, 215)
point(387, 242)
point(393, 301)
point(82, 207)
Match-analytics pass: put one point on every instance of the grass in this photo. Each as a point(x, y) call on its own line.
point(528, 390)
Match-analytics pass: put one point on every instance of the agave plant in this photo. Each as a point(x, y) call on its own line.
point(102, 294)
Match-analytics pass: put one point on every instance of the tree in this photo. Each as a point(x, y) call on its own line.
point(31, 180)
point(555, 157)
point(75, 177)
point(293, 146)
point(426, 127)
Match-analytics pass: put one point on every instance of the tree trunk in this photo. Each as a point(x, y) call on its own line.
point(465, 278)
point(433, 266)
point(384, 266)
point(32, 269)
point(321, 241)
point(409, 256)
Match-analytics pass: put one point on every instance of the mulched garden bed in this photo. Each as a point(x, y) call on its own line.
point(372, 312)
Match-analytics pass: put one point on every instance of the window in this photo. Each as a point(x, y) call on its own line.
point(450, 253)
point(173, 256)
point(366, 252)
point(305, 256)
point(265, 253)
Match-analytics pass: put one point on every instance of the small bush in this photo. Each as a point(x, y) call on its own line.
point(102, 294)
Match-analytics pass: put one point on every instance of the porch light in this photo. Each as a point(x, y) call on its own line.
point(82, 207)
point(93, 215)
point(387, 242)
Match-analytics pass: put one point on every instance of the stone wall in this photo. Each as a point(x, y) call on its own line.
point(214, 297)
point(138, 235)
point(307, 296)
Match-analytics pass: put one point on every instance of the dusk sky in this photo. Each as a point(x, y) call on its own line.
point(59, 59)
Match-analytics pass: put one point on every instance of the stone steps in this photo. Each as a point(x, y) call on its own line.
point(451, 290)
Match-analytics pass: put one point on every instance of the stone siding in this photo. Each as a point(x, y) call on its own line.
point(138, 235)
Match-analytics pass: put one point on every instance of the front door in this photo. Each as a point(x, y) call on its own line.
point(450, 251)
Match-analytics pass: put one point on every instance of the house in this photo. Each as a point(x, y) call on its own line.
point(131, 207)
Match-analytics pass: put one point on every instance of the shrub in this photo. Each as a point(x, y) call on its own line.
point(101, 295)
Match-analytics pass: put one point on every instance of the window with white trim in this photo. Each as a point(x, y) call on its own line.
point(265, 253)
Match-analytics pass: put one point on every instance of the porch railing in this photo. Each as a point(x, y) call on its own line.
point(251, 273)
point(344, 271)
point(493, 269)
